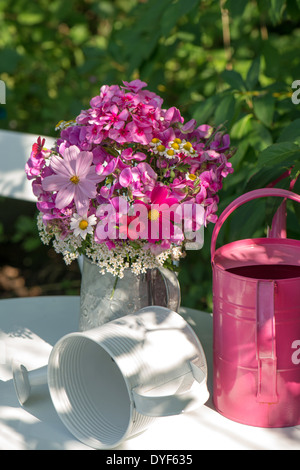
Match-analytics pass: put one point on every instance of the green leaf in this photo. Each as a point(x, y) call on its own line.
point(263, 177)
point(236, 8)
point(234, 79)
point(272, 60)
point(253, 74)
point(205, 109)
point(260, 136)
point(242, 127)
point(284, 152)
point(30, 18)
point(225, 110)
point(9, 60)
point(291, 132)
point(264, 107)
point(174, 12)
point(276, 10)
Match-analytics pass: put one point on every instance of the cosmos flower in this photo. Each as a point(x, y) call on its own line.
point(74, 179)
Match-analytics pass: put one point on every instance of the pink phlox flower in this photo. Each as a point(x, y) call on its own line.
point(83, 117)
point(134, 85)
point(121, 135)
point(114, 118)
point(74, 179)
point(148, 97)
point(141, 179)
point(71, 134)
point(172, 115)
point(106, 95)
point(94, 134)
point(139, 133)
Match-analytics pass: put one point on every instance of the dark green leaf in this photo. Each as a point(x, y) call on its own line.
point(225, 110)
point(291, 132)
point(253, 73)
point(284, 153)
point(263, 107)
point(234, 79)
point(236, 8)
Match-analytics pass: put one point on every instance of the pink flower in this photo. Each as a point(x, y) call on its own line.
point(121, 135)
point(141, 179)
point(160, 218)
point(94, 134)
point(75, 179)
point(128, 154)
point(140, 134)
point(135, 85)
point(104, 169)
point(36, 161)
point(114, 119)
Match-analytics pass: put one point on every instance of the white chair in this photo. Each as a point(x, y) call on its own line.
point(15, 149)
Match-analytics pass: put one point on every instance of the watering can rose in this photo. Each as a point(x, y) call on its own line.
point(156, 175)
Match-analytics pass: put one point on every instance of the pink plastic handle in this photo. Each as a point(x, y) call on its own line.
point(256, 193)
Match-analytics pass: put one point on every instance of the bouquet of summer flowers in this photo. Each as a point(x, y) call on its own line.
point(128, 183)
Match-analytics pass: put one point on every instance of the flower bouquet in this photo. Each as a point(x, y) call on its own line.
point(128, 183)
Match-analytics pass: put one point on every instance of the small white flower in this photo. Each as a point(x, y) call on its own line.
point(190, 177)
point(82, 225)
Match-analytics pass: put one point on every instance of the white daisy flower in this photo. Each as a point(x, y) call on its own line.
point(82, 225)
point(190, 177)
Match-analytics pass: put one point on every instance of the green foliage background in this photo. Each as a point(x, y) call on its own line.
point(226, 61)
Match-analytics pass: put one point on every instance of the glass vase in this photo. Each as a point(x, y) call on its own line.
point(105, 297)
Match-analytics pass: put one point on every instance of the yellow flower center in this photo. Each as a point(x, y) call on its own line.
point(83, 224)
point(155, 140)
point(170, 152)
point(153, 214)
point(74, 179)
point(187, 146)
point(192, 176)
point(175, 146)
point(177, 141)
point(161, 148)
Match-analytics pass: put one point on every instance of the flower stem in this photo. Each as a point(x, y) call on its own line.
point(114, 287)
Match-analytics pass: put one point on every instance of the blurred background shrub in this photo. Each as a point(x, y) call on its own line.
point(219, 61)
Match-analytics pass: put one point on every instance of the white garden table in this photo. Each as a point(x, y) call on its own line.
point(15, 149)
point(29, 328)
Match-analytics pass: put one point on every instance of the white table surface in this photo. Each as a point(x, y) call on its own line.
point(30, 327)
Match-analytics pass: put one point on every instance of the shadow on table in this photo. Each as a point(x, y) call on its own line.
point(35, 427)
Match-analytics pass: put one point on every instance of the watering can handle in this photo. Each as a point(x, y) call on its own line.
point(169, 405)
point(257, 193)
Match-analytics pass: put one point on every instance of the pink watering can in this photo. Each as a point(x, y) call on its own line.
point(256, 322)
